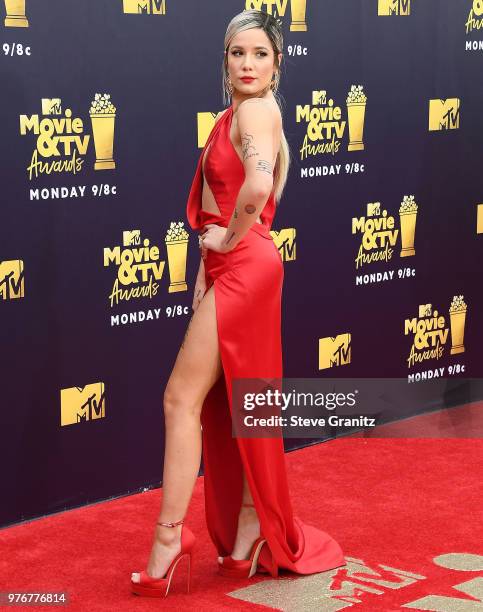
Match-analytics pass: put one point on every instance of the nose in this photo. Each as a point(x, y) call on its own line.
point(247, 62)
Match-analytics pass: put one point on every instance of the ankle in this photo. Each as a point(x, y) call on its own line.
point(248, 516)
point(248, 510)
point(168, 535)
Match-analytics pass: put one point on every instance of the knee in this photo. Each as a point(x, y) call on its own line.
point(178, 404)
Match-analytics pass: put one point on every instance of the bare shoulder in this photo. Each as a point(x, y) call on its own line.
point(257, 119)
point(220, 114)
point(261, 107)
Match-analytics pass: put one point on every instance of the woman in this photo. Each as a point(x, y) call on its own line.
point(235, 332)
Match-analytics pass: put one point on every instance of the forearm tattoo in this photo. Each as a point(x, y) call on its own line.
point(264, 166)
point(248, 149)
point(250, 209)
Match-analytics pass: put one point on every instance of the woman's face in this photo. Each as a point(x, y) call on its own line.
point(250, 54)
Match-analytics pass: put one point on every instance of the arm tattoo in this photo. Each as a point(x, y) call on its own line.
point(247, 147)
point(235, 214)
point(264, 166)
point(250, 208)
point(233, 233)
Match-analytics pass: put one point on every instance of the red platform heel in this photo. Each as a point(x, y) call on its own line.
point(242, 568)
point(159, 587)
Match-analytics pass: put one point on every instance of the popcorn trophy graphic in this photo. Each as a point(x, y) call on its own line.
point(356, 109)
point(103, 115)
point(177, 248)
point(457, 315)
point(478, 7)
point(16, 14)
point(407, 215)
point(298, 9)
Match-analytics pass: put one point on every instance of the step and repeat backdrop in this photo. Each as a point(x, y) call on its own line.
point(105, 107)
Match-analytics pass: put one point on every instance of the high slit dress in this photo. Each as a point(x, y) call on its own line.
point(248, 288)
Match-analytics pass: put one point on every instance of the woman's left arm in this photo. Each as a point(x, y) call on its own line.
point(255, 122)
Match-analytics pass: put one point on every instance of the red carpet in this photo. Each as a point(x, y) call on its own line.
point(407, 513)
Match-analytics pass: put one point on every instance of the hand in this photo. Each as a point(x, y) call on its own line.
point(214, 237)
point(203, 249)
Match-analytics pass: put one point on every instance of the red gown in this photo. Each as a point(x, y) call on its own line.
point(248, 288)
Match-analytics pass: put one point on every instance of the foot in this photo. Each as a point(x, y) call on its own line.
point(248, 531)
point(166, 545)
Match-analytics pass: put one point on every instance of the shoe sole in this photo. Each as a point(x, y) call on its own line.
point(229, 572)
point(147, 591)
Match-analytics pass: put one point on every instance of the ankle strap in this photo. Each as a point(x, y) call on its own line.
point(171, 524)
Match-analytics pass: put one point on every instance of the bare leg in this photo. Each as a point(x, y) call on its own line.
point(248, 526)
point(197, 368)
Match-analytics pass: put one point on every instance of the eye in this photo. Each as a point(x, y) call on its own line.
point(262, 53)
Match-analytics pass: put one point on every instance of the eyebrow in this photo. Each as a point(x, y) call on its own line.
point(240, 47)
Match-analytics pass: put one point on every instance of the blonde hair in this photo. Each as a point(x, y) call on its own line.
point(247, 20)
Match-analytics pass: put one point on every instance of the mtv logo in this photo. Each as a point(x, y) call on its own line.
point(131, 238)
point(319, 97)
point(394, 7)
point(444, 114)
point(145, 7)
point(425, 310)
point(479, 219)
point(205, 122)
point(12, 279)
point(267, 6)
point(285, 242)
point(82, 404)
point(51, 106)
point(373, 209)
point(334, 351)
point(340, 589)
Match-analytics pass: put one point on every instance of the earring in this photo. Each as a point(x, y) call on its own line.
point(230, 86)
point(273, 82)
